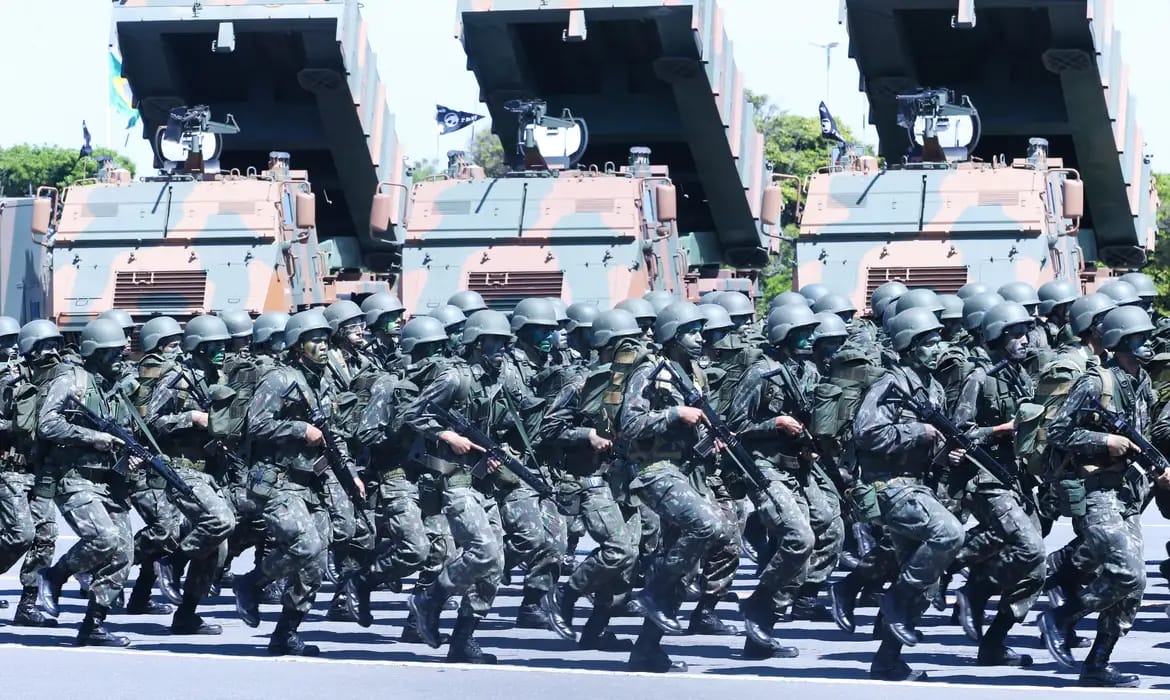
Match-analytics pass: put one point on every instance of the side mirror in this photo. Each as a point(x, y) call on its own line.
point(42, 215)
point(1072, 195)
point(306, 210)
point(666, 202)
point(382, 212)
point(772, 206)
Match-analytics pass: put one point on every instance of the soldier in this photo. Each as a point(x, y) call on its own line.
point(1121, 292)
point(124, 321)
point(642, 310)
point(580, 424)
point(474, 572)
point(1113, 496)
point(179, 414)
point(660, 299)
point(764, 412)
point(468, 302)
point(957, 360)
point(1144, 286)
point(90, 495)
point(289, 454)
point(383, 314)
point(952, 319)
point(40, 344)
point(1009, 559)
point(240, 328)
point(453, 320)
point(813, 292)
point(835, 304)
point(895, 452)
point(16, 525)
point(661, 433)
point(404, 545)
point(1056, 297)
point(579, 329)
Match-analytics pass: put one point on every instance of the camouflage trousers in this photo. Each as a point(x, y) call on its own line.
point(534, 533)
point(787, 519)
point(162, 521)
point(99, 514)
point(16, 522)
point(696, 525)
point(436, 527)
point(925, 535)
point(1113, 548)
point(211, 521)
point(824, 514)
point(250, 530)
point(298, 520)
point(717, 570)
point(609, 567)
point(475, 569)
point(402, 539)
point(353, 540)
point(44, 516)
point(1010, 553)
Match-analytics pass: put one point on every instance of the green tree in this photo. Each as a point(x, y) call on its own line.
point(425, 169)
point(795, 147)
point(25, 167)
point(486, 151)
point(1159, 267)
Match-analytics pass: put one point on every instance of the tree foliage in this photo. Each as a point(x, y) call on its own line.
point(794, 146)
point(25, 167)
point(424, 169)
point(486, 151)
point(1159, 267)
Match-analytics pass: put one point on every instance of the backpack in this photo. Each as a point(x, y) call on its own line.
point(837, 399)
point(628, 355)
point(1053, 385)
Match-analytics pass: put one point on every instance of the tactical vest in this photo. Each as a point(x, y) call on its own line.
point(1000, 399)
point(628, 355)
point(837, 398)
point(435, 455)
point(151, 368)
point(781, 394)
point(661, 396)
point(1053, 383)
point(86, 389)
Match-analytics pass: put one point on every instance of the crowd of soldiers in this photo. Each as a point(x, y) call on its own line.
point(940, 435)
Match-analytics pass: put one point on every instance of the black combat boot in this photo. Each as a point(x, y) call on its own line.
point(993, 649)
point(648, 656)
point(357, 588)
point(50, 580)
point(273, 593)
point(246, 588)
point(887, 663)
point(759, 616)
point(167, 569)
point(285, 641)
point(339, 609)
point(140, 602)
point(807, 607)
point(550, 606)
point(27, 614)
point(658, 606)
point(530, 615)
point(970, 605)
point(426, 605)
point(332, 569)
point(896, 609)
point(596, 635)
point(464, 649)
point(93, 630)
point(1099, 673)
point(410, 632)
point(704, 619)
point(843, 601)
point(186, 621)
point(1056, 626)
point(756, 649)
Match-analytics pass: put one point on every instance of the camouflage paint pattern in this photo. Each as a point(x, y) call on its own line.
point(591, 234)
point(227, 238)
point(22, 289)
point(989, 222)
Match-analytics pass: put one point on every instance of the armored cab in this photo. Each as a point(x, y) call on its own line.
point(650, 172)
point(1010, 145)
point(271, 136)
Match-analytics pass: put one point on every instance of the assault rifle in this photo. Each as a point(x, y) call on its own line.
point(134, 449)
point(1150, 457)
point(717, 428)
point(493, 451)
point(333, 456)
point(215, 446)
point(930, 414)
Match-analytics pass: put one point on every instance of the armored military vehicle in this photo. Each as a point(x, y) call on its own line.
point(1011, 151)
point(22, 293)
point(635, 161)
point(242, 100)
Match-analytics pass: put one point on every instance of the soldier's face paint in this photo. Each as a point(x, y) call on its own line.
point(455, 337)
point(542, 338)
point(46, 352)
point(106, 361)
point(215, 351)
point(491, 349)
point(1015, 344)
point(315, 346)
point(1139, 346)
point(170, 349)
point(8, 347)
point(390, 324)
point(826, 348)
point(713, 337)
point(800, 340)
point(690, 339)
point(846, 316)
point(927, 351)
point(1059, 314)
point(354, 333)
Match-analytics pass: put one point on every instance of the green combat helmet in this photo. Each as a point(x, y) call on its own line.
point(660, 299)
point(813, 292)
point(907, 327)
point(421, 330)
point(582, 314)
point(1121, 292)
point(1087, 311)
point(1124, 322)
point(121, 317)
point(971, 289)
point(239, 323)
point(101, 334)
point(787, 299)
point(784, 320)
point(269, 329)
point(486, 322)
point(342, 312)
point(1021, 293)
point(739, 307)
point(835, 304)
point(974, 308)
point(302, 323)
point(468, 302)
point(534, 311)
point(157, 329)
point(1144, 286)
point(34, 332)
point(1002, 316)
point(673, 317)
point(1054, 293)
point(919, 299)
point(890, 291)
point(613, 324)
point(204, 329)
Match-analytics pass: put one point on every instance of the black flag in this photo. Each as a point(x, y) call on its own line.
point(829, 126)
point(453, 120)
point(85, 149)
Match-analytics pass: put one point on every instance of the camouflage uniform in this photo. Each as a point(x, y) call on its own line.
point(16, 477)
point(169, 415)
point(1011, 562)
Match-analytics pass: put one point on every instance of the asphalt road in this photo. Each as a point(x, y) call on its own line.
point(536, 664)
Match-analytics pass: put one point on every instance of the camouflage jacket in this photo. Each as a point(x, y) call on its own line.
point(985, 402)
point(757, 401)
point(173, 404)
point(280, 413)
point(1077, 432)
point(11, 376)
point(69, 439)
point(567, 423)
point(543, 373)
point(380, 429)
point(649, 420)
point(234, 362)
point(888, 436)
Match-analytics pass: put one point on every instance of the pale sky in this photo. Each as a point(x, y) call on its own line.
point(56, 68)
